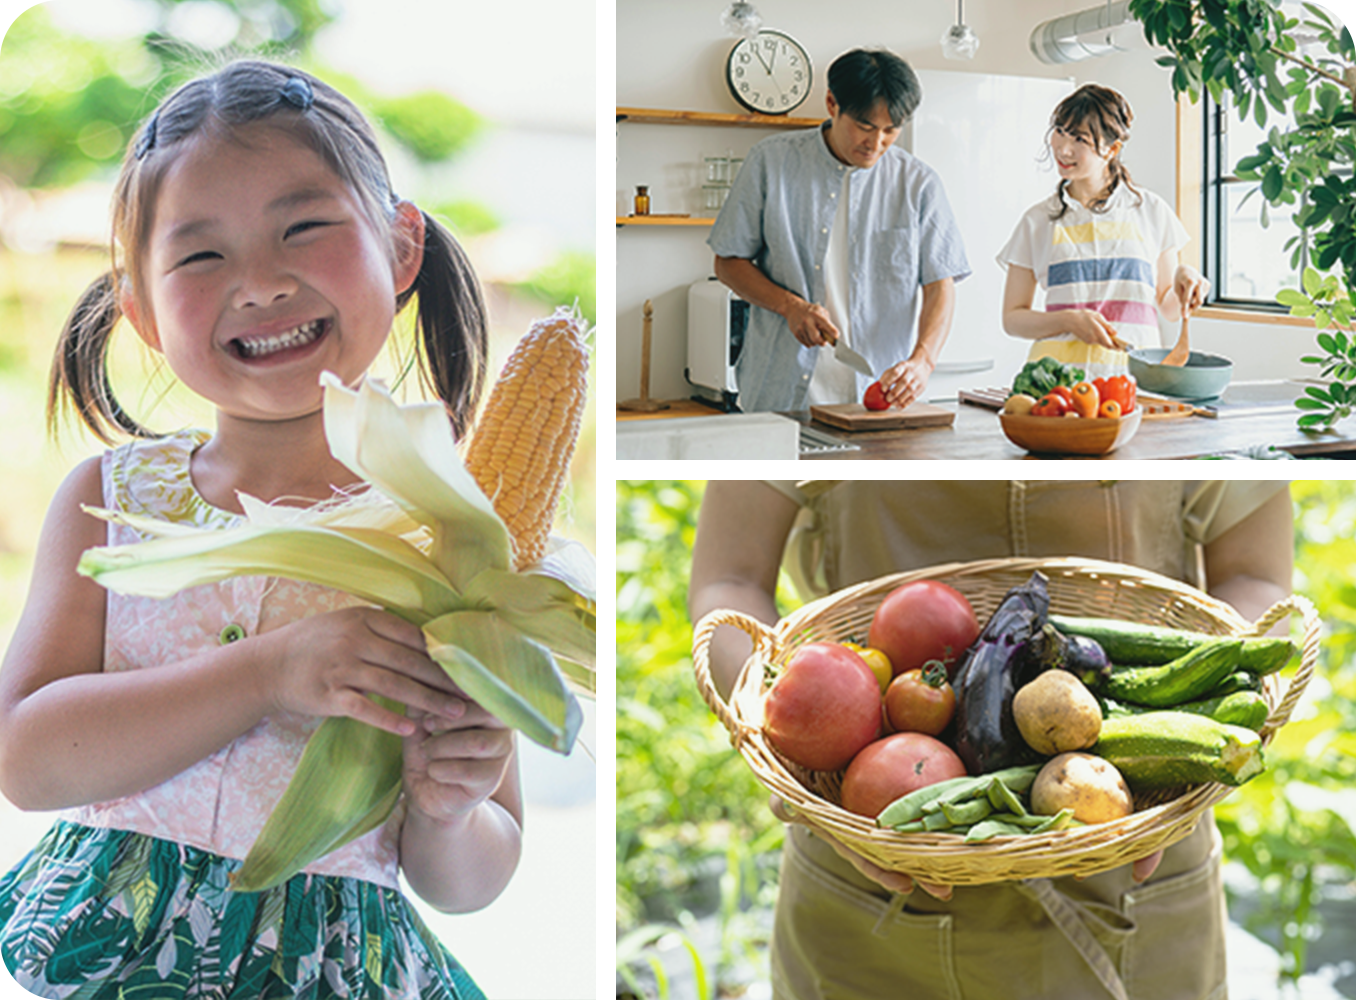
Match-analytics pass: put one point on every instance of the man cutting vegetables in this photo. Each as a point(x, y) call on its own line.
point(835, 234)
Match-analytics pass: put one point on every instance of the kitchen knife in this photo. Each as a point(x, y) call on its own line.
point(851, 358)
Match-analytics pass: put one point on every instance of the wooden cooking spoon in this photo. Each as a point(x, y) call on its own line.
point(1177, 357)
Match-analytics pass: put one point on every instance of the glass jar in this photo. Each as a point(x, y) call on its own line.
point(642, 200)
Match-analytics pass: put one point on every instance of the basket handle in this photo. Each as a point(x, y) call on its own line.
point(764, 646)
point(1308, 653)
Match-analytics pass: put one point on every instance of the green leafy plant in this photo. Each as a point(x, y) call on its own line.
point(1326, 301)
point(1304, 70)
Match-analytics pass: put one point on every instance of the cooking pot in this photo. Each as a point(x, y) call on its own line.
point(1204, 376)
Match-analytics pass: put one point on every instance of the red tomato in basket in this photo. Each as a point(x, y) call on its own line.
point(920, 701)
point(895, 766)
point(923, 620)
point(824, 709)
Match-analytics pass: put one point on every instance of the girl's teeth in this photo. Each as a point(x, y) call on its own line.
point(296, 337)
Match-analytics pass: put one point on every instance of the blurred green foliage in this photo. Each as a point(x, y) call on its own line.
point(1294, 826)
point(683, 795)
point(429, 124)
point(69, 105)
point(572, 275)
point(465, 218)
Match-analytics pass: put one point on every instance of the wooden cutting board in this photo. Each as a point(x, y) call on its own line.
point(856, 417)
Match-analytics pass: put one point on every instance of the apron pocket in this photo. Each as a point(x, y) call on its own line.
point(833, 939)
point(1177, 950)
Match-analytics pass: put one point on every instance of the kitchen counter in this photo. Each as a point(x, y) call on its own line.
point(976, 434)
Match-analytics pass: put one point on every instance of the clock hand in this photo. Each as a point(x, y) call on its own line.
point(759, 54)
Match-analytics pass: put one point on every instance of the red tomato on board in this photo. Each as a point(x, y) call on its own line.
point(923, 620)
point(874, 398)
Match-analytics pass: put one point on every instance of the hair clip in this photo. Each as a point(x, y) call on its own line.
point(147, 141)
point(297, 92)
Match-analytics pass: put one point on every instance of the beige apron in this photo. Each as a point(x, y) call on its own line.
point(839, 935)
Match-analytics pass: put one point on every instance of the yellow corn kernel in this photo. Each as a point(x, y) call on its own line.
point(521, 448)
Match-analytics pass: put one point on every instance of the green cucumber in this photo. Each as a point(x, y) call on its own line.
point(1239, 680)
point(1133, 644)
point(1186, 678)
point(1167, 749)
point(1239, 708)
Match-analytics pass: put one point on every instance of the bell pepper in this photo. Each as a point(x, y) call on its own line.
point(1121, 388)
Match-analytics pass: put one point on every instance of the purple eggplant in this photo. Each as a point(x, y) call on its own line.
point(1002, 659)
point(1081, 656)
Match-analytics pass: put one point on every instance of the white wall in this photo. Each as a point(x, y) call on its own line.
point(671, 54)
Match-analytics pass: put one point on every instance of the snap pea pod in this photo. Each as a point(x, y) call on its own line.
point(977, 809)
point(994, 827)
point(913, 806)
point(967, 813)
point(1004, 799)
point(909, 808)
point(1016, 826)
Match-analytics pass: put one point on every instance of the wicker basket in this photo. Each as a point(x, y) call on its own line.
point(1077, 587)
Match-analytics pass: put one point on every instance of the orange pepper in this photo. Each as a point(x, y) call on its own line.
point(1086, 399)
point(1110, 409)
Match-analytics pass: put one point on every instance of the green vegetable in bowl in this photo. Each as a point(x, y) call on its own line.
point(1038, 377)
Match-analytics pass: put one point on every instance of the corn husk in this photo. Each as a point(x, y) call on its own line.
point(424, 543)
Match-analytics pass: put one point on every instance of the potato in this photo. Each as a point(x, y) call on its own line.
point(1056, 713)
point(1019, 404)
point(1089, 785)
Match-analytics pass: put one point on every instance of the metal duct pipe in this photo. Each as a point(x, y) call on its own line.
point(1098, 31)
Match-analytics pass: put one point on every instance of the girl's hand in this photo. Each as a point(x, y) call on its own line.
point(1191, 287)
point(327, 665)
point(455, 760)
point(1091, 327)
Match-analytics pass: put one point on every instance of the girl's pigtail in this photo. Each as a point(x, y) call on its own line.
point(453, 341)
point(79, 376)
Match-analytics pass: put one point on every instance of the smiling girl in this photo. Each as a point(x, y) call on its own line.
point(1106, 252)
point(257, 243)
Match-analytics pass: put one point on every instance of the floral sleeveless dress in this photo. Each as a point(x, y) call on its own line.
point(130, 898)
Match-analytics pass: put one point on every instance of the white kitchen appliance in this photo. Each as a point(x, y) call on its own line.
point(717, 320)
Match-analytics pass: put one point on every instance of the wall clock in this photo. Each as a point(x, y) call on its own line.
point(769, 74)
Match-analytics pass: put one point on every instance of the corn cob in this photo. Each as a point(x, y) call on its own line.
point(520, 450)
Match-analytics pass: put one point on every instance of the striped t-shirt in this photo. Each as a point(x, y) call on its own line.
point(1106, 261)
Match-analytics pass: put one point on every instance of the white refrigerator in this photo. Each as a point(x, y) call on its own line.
point(985, 135)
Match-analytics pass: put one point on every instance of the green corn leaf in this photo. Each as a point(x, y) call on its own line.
point(371, 565)
point(408, 452)
point(542, 608)
point(345, 785)
point(510, 676)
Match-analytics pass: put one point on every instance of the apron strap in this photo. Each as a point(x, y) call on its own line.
point(1073, 918)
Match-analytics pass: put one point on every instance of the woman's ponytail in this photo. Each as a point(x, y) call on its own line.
point(453, 339)
point(79, 376)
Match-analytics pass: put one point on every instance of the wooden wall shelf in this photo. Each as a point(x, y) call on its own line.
point(661, 116)
point(652, 220)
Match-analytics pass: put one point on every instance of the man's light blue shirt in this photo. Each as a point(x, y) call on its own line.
point(779, 213)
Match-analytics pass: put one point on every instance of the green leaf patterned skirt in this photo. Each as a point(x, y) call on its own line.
point(97, 914)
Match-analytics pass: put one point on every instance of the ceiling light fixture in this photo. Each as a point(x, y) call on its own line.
point(741, 20)
point(959, 42)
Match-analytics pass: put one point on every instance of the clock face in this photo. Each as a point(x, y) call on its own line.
point(769, 74)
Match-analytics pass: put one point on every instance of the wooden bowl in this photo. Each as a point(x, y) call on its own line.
point(1071, 435)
